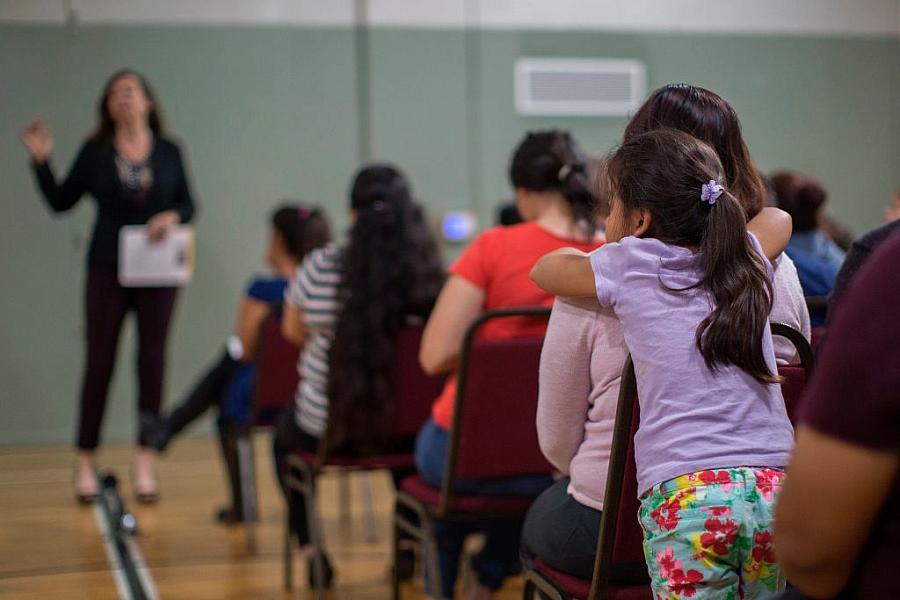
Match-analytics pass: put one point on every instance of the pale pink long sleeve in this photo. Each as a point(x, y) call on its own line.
point(581, 364)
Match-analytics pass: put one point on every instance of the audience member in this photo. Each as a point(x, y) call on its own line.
point(346, 306)
point(553, 196)
point(841, 537)
point(715, 448)
point(817, 257)
point(229, 382)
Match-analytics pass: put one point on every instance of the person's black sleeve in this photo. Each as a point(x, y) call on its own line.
point(859, 253)
point(184, 200)
point(63, 197)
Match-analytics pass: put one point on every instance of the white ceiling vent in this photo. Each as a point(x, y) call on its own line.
point(579, 86)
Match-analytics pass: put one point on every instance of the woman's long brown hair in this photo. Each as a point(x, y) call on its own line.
point(106, 127)
point(709, 118)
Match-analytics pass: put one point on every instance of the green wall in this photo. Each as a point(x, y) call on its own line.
point(271, 113)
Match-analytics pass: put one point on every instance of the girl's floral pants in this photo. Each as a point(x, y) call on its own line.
point(709, 534)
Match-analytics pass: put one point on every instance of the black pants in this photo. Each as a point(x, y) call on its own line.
point(562, 531)
point(106, 305)
point(209, 391)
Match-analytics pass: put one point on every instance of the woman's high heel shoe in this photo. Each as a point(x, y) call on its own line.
point(87, 488)
point(148, 492)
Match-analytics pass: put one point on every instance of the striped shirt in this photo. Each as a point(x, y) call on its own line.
point(313, 290)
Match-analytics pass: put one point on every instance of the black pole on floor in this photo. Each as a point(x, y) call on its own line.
point(121, 526)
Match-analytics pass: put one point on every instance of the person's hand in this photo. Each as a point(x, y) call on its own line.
point(159, 226)
point(39, 141)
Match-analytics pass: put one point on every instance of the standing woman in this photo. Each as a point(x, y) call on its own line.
point(137, 177)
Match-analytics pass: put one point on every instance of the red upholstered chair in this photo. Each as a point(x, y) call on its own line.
point(794, 377)
point(493, 435)
point(816, 336)
point(620, 572)
point(414, 392)
point(275, 383)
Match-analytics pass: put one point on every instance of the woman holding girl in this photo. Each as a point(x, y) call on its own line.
point(584, 348)
point(693, 291)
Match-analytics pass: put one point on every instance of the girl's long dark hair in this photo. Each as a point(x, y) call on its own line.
point(663, 171)
point(106, 127)
point(391, 270)
point(303, 228)
point(709, 118)
point(553, 161)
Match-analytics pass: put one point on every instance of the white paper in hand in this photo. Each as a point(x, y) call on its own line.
point(165, 263)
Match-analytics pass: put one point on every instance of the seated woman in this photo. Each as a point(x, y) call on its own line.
point(554, 199)
point(346, 306)
point(296, 230)
point(817, 257)
point(585, 349)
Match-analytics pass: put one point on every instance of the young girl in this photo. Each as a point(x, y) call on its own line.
point(693, 292)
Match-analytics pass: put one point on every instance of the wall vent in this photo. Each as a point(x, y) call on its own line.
point(579, 86)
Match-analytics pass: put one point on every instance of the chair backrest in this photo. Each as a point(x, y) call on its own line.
point(620, 543)
point(276, 369)
point(414, 390)
point(413, 395)
point(494, 432)
point(794, 377)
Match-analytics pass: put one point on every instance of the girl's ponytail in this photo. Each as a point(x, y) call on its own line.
point(735, 275)
point(674, 176)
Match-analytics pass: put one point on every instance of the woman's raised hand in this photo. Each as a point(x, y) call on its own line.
point(39, 141)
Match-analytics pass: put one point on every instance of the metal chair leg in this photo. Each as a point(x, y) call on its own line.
point(288, 557)
point(344, 495)
point(248, 489)
point(370, 527)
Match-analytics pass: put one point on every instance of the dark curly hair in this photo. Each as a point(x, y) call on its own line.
point(391, 271)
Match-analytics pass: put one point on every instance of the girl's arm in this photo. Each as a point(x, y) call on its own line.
point(565, 272)
point(458, 304)
point(292, 326)
point(251, 314)
point(772, 227)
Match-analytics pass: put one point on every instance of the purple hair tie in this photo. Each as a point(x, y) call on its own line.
point(710, 192)
point(303, 213)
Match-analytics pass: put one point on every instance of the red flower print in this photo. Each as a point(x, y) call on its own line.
point(717, 511)
point(719, 535)
point(667, 563)
point(767, 480)
point(711, 477)
point(683, 583)
point(763, 550)
point(666, 514)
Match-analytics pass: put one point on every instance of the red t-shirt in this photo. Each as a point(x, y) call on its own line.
point(855, 396)
point(499, 262)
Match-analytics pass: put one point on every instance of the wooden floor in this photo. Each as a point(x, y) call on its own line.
point(51, 548)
